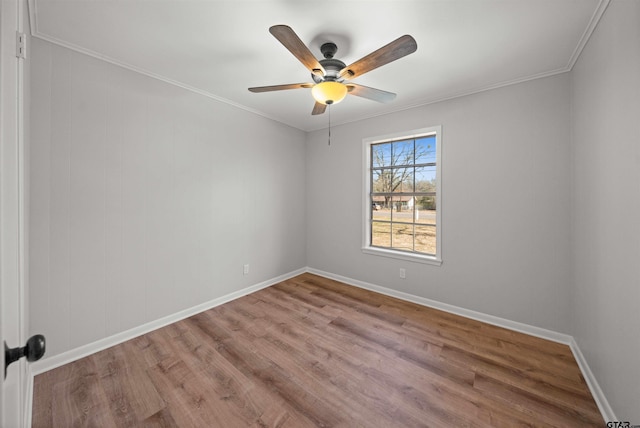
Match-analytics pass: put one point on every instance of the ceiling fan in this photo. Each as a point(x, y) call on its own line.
point(330, 75)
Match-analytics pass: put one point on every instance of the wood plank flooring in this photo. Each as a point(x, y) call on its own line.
point(311, 352)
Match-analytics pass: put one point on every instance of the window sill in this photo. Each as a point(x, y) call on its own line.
point(429, 260)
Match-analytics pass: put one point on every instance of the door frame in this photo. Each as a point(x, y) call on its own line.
point(14, 391)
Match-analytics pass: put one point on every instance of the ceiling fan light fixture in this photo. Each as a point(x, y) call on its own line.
point(328, 74)
point(329, 92)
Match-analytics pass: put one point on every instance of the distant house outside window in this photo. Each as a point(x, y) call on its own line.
point(402, 195)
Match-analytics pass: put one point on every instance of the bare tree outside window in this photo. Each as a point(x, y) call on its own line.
point(403, 195)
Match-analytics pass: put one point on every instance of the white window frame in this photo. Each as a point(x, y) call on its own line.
point(366, 198)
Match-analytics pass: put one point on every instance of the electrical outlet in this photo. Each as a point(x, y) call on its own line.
point(245, 269)
point(403, 273)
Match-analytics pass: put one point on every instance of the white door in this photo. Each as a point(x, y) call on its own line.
point(12, 299)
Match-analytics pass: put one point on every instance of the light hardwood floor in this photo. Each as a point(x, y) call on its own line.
point(310, 351)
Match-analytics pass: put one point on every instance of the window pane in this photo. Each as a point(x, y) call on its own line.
point(426, 239)
point(402, 237)
point(380, 208)
point(425, 211)
point(425, 179)
point(426, 150)
point(381, 155)
point(382, 180)
point(381, 234)
point(401, 180)
point(402, 153)
point(402, 208)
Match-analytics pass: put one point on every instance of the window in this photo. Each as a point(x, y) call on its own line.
point(402, 195)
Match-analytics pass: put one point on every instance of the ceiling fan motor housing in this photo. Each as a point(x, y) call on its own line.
point(331, 65)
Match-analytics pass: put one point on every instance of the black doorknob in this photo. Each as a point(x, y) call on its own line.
point(33, 350)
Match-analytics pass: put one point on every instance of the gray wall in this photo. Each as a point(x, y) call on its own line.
point(146, 199)
point(505, 203)
point(606, 206)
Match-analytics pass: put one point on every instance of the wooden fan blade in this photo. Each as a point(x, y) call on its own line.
point(400, 47)
point(281, 87)
point(292, 42)
point(318, 108)
point(370, 93)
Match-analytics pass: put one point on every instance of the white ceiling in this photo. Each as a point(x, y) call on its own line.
point(222, 47)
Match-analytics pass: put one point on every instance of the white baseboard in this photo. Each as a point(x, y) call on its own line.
point(594, 387)
point(467, 313)
point(592, 383)
point(75, 354)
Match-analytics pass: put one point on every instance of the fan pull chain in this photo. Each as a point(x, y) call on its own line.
point(329, 108)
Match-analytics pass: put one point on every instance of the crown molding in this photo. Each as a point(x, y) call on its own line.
point(586, 35)
point(33, 21)
point(426, 102)
point(593, 23)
